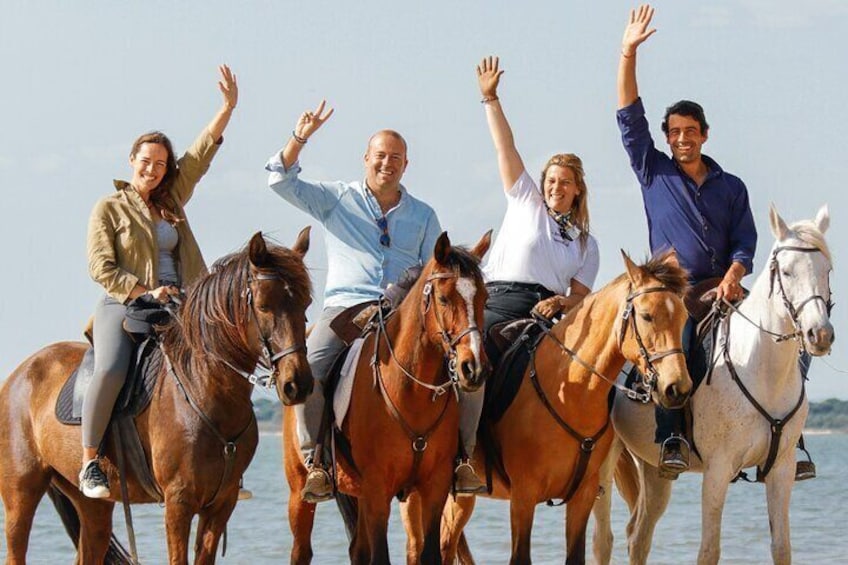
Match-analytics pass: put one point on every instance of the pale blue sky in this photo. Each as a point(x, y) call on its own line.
point(83, 79)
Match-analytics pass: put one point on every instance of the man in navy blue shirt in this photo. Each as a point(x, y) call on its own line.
point(691, 205)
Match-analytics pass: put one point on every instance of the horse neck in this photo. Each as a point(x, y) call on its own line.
point(590, 331)
point(758, 359)
point(220, 393)
point(412, 349)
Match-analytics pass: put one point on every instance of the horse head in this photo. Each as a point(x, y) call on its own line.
point(453, 297)
point(799, 285)
point(651, 327)
point(279, 293)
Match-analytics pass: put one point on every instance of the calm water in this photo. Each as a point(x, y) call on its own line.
point(258, 530)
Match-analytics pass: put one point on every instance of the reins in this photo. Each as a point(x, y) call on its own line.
point(418, 440)
point(587, 444)
point(776, 425)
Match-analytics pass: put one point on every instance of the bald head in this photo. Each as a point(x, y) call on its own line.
point(388, 133)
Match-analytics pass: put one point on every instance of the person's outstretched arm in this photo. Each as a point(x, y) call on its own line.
point(307, 124)
point(509, 161)
point(229, 90)
point(635, 33)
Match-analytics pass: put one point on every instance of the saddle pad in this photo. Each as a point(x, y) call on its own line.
point(344, 388)
point(504, 383)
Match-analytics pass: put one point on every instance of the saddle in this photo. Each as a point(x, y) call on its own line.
point(143, 316)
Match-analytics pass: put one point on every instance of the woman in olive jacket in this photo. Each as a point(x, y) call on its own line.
point(140, 242)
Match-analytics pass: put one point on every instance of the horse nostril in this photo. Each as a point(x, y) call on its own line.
point(467, 368)
point(290, 390)
point(812, 336)
point(673, 394)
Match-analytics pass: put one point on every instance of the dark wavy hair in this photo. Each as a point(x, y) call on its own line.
point(689, 109)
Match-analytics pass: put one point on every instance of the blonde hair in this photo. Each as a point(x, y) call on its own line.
point(580, 206)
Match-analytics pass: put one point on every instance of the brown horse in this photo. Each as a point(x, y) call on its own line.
point(403, 419)
point(252, 306)
point(552, 439)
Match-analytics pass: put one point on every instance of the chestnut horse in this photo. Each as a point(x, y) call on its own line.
point(749, 412)
point(403, 419)
point(250, 310)
point(554, 436)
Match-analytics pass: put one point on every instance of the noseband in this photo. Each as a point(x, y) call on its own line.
point(649, 380)
point(267, 364)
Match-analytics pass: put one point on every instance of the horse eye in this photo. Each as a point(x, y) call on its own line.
point(647, 317)
point(443, 300)
point(786, 273)
point(264, 308)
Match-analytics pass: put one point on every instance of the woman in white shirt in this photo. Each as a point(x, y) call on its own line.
point(544, 258)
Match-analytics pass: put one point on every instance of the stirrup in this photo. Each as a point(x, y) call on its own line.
point(473, 485)
point(318, 486)
point(805, 470)
point(669, 467)
point(243, 493)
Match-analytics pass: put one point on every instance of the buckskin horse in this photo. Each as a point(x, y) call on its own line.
point(198, 432)
point(403, 419)
point(550, 442)
point(749, 412)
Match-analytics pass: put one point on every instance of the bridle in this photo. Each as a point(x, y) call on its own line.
point(648, 381)
point(449, 342)
point(793, 311)
point(266, 365)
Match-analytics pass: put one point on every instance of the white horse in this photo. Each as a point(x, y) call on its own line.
point(735, 419)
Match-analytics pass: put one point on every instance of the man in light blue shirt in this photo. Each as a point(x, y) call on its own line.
point(375, 230)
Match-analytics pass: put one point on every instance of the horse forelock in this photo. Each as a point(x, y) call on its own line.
point(673, 277)
point(807, 232)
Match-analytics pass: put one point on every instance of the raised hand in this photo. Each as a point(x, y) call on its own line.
point(488, 76)
point(309, 122)
point(637, 30)
point(228, 87)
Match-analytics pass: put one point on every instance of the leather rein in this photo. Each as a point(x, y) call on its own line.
point(648, 383)
point(418, 440)
point(776, 425)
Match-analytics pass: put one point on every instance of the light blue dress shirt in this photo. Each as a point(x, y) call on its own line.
point(359, 267)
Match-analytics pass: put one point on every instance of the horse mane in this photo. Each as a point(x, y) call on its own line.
point(465, 262)
point(213, 317)
point(809, 233)
point(671, 276)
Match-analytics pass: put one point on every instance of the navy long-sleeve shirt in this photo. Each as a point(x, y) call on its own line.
point(710, 226)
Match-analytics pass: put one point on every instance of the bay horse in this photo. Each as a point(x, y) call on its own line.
point(403, 419)
point(749, 412)
point(554, 436)
point(198, 433)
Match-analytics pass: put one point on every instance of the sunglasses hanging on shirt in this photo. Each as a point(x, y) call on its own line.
point(383, 224)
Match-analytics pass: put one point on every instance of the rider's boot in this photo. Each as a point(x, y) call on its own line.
point(674, 457)
point(466, 481)
point(319, 484)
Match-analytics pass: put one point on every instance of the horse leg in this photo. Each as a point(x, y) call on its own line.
point(577, 518)
point(717, 477)
point(602, 539)
point(95, 518)
point(455, 515)
point(410, 512)
point(521, 512)
point(178, 518)
point(209, 529)
point(369, 544)
point(650, 506)
point(21, 490)
point(433, 494)
point(301, 514)
point(779, 483)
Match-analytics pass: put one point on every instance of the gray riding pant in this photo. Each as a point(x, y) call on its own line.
point(322, 346)
point(112, 354)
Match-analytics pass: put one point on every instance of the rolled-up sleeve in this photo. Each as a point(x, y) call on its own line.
point(318, 199)
point(102, 261)
point(193, 165)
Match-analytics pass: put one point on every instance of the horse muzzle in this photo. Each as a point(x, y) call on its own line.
point(472, 374)
point(820, 340)
point(295, 388)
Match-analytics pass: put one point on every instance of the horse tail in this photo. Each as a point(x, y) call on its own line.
point(349, 509)
point(627, 478)
point(116, 554)
point(463, 552)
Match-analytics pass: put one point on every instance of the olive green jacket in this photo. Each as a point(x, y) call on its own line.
point(122, 246)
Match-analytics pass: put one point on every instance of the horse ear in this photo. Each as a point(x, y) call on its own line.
point(483, 245)
point(257, 251)
point(823, 219)
point(634, 273)
point(670, 258)
point(301, 245)
point(442, 248)
point(778, 226)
